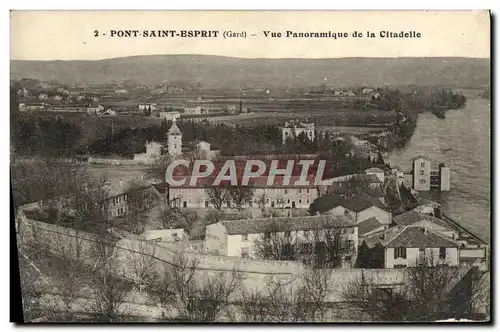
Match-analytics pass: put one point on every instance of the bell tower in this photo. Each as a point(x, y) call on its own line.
point(174, 140)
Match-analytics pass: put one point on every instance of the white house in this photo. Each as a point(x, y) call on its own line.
point(239, 237)
point(95, 110)
point(169, 116)
point(192, 110)
point(472, 251)
point(413, 245)
point(147, 107)
point(293, 129)
point(359, 207)
point(379, 173)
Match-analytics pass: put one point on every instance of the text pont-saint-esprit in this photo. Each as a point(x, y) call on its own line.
point(267, 34)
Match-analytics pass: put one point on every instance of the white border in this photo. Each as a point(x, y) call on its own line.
point(211, 5)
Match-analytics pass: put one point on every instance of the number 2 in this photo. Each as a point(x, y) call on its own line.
point(96, 33)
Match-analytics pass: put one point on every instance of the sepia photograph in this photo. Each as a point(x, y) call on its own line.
point(250, 166)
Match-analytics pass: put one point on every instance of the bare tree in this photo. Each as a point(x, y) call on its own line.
point(142, 265)
point(184, 296)
point(278, 303)
point(239, 196)
point(139, 198)
point(427, 295)
point(313, 292)
point(275, 245)
point(158, 168)
point(170, 219)
point(218, 195)
point(107, 296)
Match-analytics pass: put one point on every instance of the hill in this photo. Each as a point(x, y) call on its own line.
point(218, 71)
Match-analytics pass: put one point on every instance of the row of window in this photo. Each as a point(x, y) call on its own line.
point(400, 252)
point(118, 199)
point(267, 190)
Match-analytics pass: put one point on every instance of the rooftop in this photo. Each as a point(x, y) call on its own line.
point(412, 236)
point(356, 203)
point(368, 226)
point(412, 217)
point(374, 170)
point(174, 130)
point(284, 224)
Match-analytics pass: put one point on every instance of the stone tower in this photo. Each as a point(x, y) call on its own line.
point(421, 167)
point(174, 140)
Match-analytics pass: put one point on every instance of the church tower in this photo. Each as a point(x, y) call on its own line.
point(174, 140)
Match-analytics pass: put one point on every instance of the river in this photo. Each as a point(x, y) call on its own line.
point(461, 141)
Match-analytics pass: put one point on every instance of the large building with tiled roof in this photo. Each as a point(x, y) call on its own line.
point(358, 207)
point(240, 237)
point(411, 245)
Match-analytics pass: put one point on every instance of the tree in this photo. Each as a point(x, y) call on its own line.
point(158, 169)
point(107, 296)
point(139, 198)
point(427, 295)
point(184, 296)
point(275, 245)
point(142, 265)
point(239, 196)
point(313, 292)
point(318, 248)
point(278, 303)
point(218, 195)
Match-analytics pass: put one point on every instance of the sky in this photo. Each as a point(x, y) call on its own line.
point(69, 35)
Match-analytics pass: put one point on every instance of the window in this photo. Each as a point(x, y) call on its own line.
point(422, 164)
point(421, 181)
point(286, 191)
point(189, 200)
point(307, 201)
point(421, 172)
point(400, 253)
point(289, 201)
point(272, 204)
point(267, 235)
point(399, 266)
point(244, 237)
point(300, 201)
point(267, 200)
point(287, 235)
point(442, 253)
point(349, 244)
point(244, 253)
point(255, 200)
point(125, 197)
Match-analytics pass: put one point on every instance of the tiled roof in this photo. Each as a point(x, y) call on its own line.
point(412, 217)
point(415, 237)
point(368, 226)
point(284, 224)
point(374, 170)
point(356, 203)
point(362, 201)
